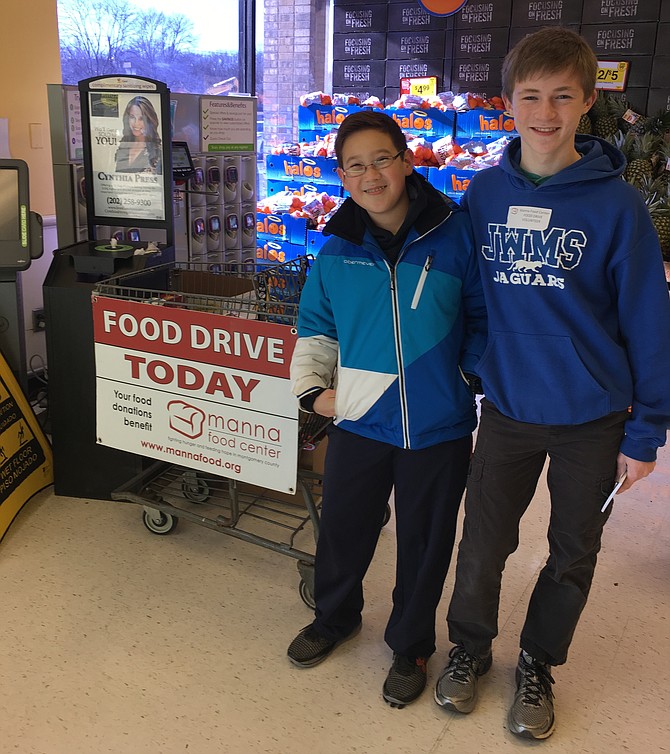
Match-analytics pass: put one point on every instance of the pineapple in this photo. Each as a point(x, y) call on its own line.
point(658, 124)
point(602, 116)
point(628, 116)
point(660, 216)
point(584, 125)
point(655, 195)
point(641, 153)
point(662, 171)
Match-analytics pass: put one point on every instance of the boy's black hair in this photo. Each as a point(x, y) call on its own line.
point(368, 120)
point(550, 50)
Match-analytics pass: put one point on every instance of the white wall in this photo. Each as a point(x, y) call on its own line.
point(31, 289)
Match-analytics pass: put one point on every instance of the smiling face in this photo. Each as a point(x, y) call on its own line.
point(546, 110)
point(136, 122)
point(382, 193)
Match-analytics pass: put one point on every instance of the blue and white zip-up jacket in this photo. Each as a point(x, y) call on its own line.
point(396, 340)
point(578, 306)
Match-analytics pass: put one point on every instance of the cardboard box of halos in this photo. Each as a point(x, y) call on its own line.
point(317, 170)
point(484, 124)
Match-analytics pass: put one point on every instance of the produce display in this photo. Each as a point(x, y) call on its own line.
point(481, 131)
point(645, 143)
point(315, 207)
point(441, 101)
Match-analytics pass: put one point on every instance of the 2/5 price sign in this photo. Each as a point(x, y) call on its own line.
point(612, 75)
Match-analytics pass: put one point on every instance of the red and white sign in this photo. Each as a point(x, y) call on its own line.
point(205, 391)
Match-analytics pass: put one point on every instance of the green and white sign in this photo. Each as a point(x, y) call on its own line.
point(228, 124)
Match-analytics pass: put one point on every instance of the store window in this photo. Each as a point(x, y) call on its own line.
point(292, 58)
point(192, 47)
point(206, 47)
point(293, 54)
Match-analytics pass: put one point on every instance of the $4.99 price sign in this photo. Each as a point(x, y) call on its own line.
point(612, 75)
point(422, 87)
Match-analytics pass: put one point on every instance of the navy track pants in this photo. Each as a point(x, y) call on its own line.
point(428, 486)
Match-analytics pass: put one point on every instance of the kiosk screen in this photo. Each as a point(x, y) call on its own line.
point(19, 227)
point(182, 163)
point(9, 205)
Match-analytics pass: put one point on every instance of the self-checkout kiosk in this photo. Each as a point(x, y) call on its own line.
point(20, 243)
point(127, 181)
point(127, 185)
point(196, 204)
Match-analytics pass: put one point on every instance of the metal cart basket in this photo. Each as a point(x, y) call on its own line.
point(168, 492)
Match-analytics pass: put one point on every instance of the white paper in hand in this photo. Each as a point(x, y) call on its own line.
point(617, 487)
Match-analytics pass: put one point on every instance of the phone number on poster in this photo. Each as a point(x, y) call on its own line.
point(129, 201)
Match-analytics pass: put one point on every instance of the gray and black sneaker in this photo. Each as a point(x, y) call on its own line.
point(456, 687)
point(405, 681)
point(532, 713)
point(310, 647)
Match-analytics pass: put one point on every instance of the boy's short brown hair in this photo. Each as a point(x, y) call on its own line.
point(547, 51)
point(368, 120)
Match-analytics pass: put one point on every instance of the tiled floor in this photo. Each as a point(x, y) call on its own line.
point(116, 640)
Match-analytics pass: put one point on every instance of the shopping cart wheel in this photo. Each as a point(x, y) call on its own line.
point(306, 594)
point(158, 522)
point(194, 487)
point(306, 586)
point(387, 515)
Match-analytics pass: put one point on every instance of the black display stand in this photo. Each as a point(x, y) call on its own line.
point(82, 468)
point(116, 194)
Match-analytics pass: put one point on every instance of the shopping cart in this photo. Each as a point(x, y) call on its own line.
point(169, 492)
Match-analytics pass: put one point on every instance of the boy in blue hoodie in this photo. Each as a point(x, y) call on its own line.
point(576, 367)
point(391, 317)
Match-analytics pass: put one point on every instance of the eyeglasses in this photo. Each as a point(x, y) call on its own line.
point(381, 163)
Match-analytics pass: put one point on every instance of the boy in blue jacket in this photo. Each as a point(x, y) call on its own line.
point(391, 318)
point(576, 367)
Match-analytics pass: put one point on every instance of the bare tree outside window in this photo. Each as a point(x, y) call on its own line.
point(99, 37)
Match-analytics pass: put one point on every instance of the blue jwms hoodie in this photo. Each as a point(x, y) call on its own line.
point(579, 315)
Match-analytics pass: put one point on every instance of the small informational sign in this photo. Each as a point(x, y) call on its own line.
point(206, 391)
point(421, 87)
point(228, 124)
point(631, 117)
point(126, 154)
point(612, 75)
point(26, 464)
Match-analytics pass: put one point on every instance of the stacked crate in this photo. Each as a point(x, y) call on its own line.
point(627, 32)
point(480, 42)
point(284, 237)
point(377, 44)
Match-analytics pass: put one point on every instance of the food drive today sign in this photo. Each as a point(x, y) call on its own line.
point(204, 391)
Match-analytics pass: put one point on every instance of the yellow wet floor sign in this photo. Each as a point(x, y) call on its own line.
point(26, 463)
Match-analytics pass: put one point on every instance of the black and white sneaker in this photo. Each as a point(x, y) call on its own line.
point(456, 688)
point(532, 712)
point(310, 647)
point(405, 681)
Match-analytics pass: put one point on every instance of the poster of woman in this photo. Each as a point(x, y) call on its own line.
point(126, 138)
point(140, 150)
